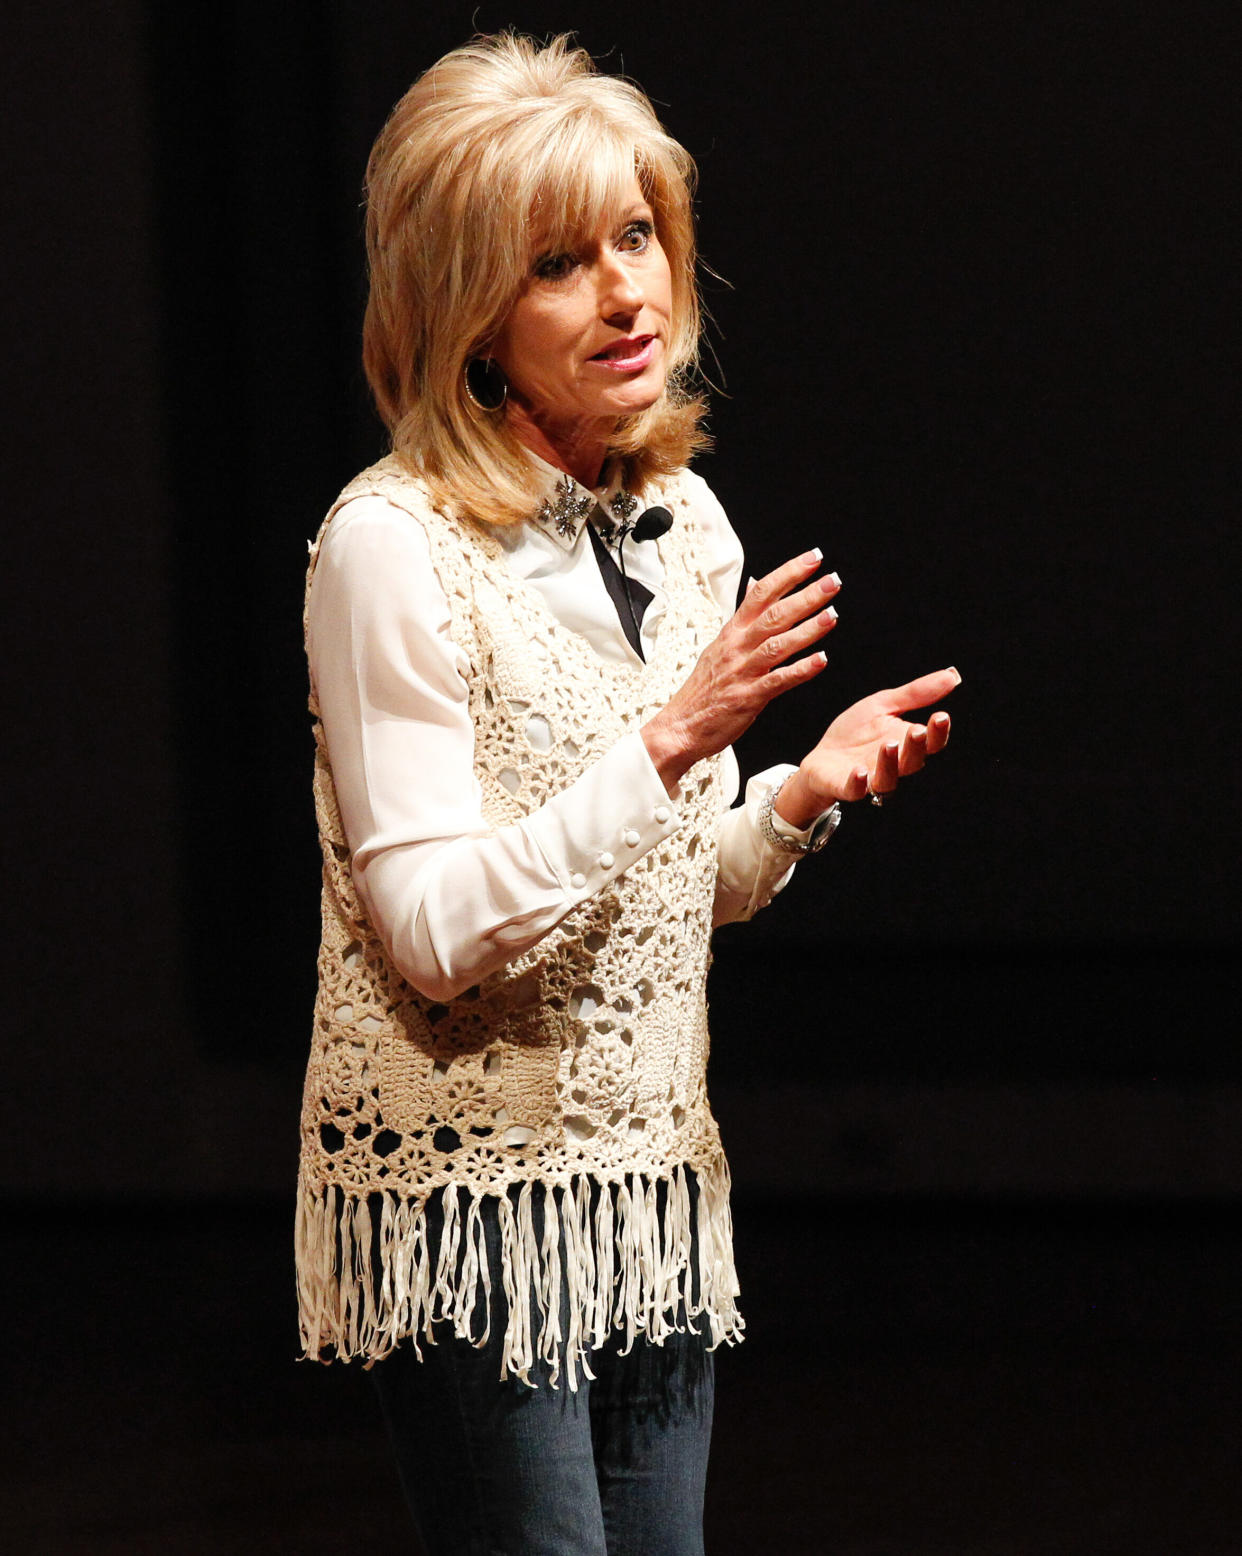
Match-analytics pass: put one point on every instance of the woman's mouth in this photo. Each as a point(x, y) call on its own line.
point(625, 356)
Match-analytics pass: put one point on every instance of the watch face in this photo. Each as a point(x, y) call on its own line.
point(823, 829)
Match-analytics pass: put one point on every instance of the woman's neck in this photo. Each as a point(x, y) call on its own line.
point(579, 450)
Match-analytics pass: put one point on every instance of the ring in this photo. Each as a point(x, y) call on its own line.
point(876, 799)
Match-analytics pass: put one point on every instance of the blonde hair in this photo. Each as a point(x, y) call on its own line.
point(500, 144)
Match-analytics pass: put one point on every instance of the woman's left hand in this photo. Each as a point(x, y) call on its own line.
point(868, 748)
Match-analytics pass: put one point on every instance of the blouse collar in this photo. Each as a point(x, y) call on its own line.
point(565, 505)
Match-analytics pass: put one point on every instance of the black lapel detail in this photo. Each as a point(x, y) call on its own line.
point(629, 607)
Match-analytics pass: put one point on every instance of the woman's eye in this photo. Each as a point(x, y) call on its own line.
point(637, 236)
point(554, 267)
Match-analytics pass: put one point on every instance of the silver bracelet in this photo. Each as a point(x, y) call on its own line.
point(821, 830)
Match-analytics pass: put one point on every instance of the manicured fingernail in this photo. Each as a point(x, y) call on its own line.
point(957, 673)
point(830, 614)
point(815, 555)
point(891, 748)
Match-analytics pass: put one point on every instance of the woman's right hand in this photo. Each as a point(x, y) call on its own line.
point(745, 666)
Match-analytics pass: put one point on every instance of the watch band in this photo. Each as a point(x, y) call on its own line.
point(821, 830)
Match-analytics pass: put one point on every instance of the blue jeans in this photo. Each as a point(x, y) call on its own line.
point(498, 1468)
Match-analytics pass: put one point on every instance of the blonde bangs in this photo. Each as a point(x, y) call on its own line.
point(582, 184)
point(502, 153)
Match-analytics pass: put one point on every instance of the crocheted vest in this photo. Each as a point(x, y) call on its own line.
point(570, 1086)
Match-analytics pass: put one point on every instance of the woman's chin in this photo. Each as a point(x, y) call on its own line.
point(634, 398)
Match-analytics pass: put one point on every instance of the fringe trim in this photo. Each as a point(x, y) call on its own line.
point(627, 1270)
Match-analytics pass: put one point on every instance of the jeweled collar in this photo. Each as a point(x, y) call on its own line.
point(566, 505)
point(566, 508)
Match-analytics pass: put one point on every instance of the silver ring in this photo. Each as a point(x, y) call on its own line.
point(876, 799)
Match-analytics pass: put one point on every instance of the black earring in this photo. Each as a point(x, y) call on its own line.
point(486, 384)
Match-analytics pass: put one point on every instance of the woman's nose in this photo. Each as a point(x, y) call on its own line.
point(619, 287)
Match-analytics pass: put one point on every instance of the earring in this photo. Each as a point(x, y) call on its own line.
point(486, 384)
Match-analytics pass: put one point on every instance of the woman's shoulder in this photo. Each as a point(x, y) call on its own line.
point(386, 503)
point(386, 488)
point(688, 487)
point(372, 565)
point(385, 526)
point(377, 526)
point(688, 490)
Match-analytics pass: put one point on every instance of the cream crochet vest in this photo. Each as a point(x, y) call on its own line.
point(573, 1080)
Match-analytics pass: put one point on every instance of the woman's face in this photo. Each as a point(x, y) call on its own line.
point(587, 340)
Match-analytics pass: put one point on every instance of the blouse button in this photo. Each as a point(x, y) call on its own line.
point(606, 861)
point(577, 880)
point(661, 814)
point(630, 838)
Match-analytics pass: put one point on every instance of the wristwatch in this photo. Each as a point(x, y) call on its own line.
point(821, 829)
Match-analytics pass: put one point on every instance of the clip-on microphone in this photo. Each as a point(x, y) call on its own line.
point(654, 523)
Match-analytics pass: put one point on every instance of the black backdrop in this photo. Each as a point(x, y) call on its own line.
point(973, 304)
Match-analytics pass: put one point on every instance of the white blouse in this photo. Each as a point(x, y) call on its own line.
point(453, 898)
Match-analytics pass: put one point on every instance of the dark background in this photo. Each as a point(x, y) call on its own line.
point(973, 287)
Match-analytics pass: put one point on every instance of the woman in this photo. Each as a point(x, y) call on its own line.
point(513, 1196)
